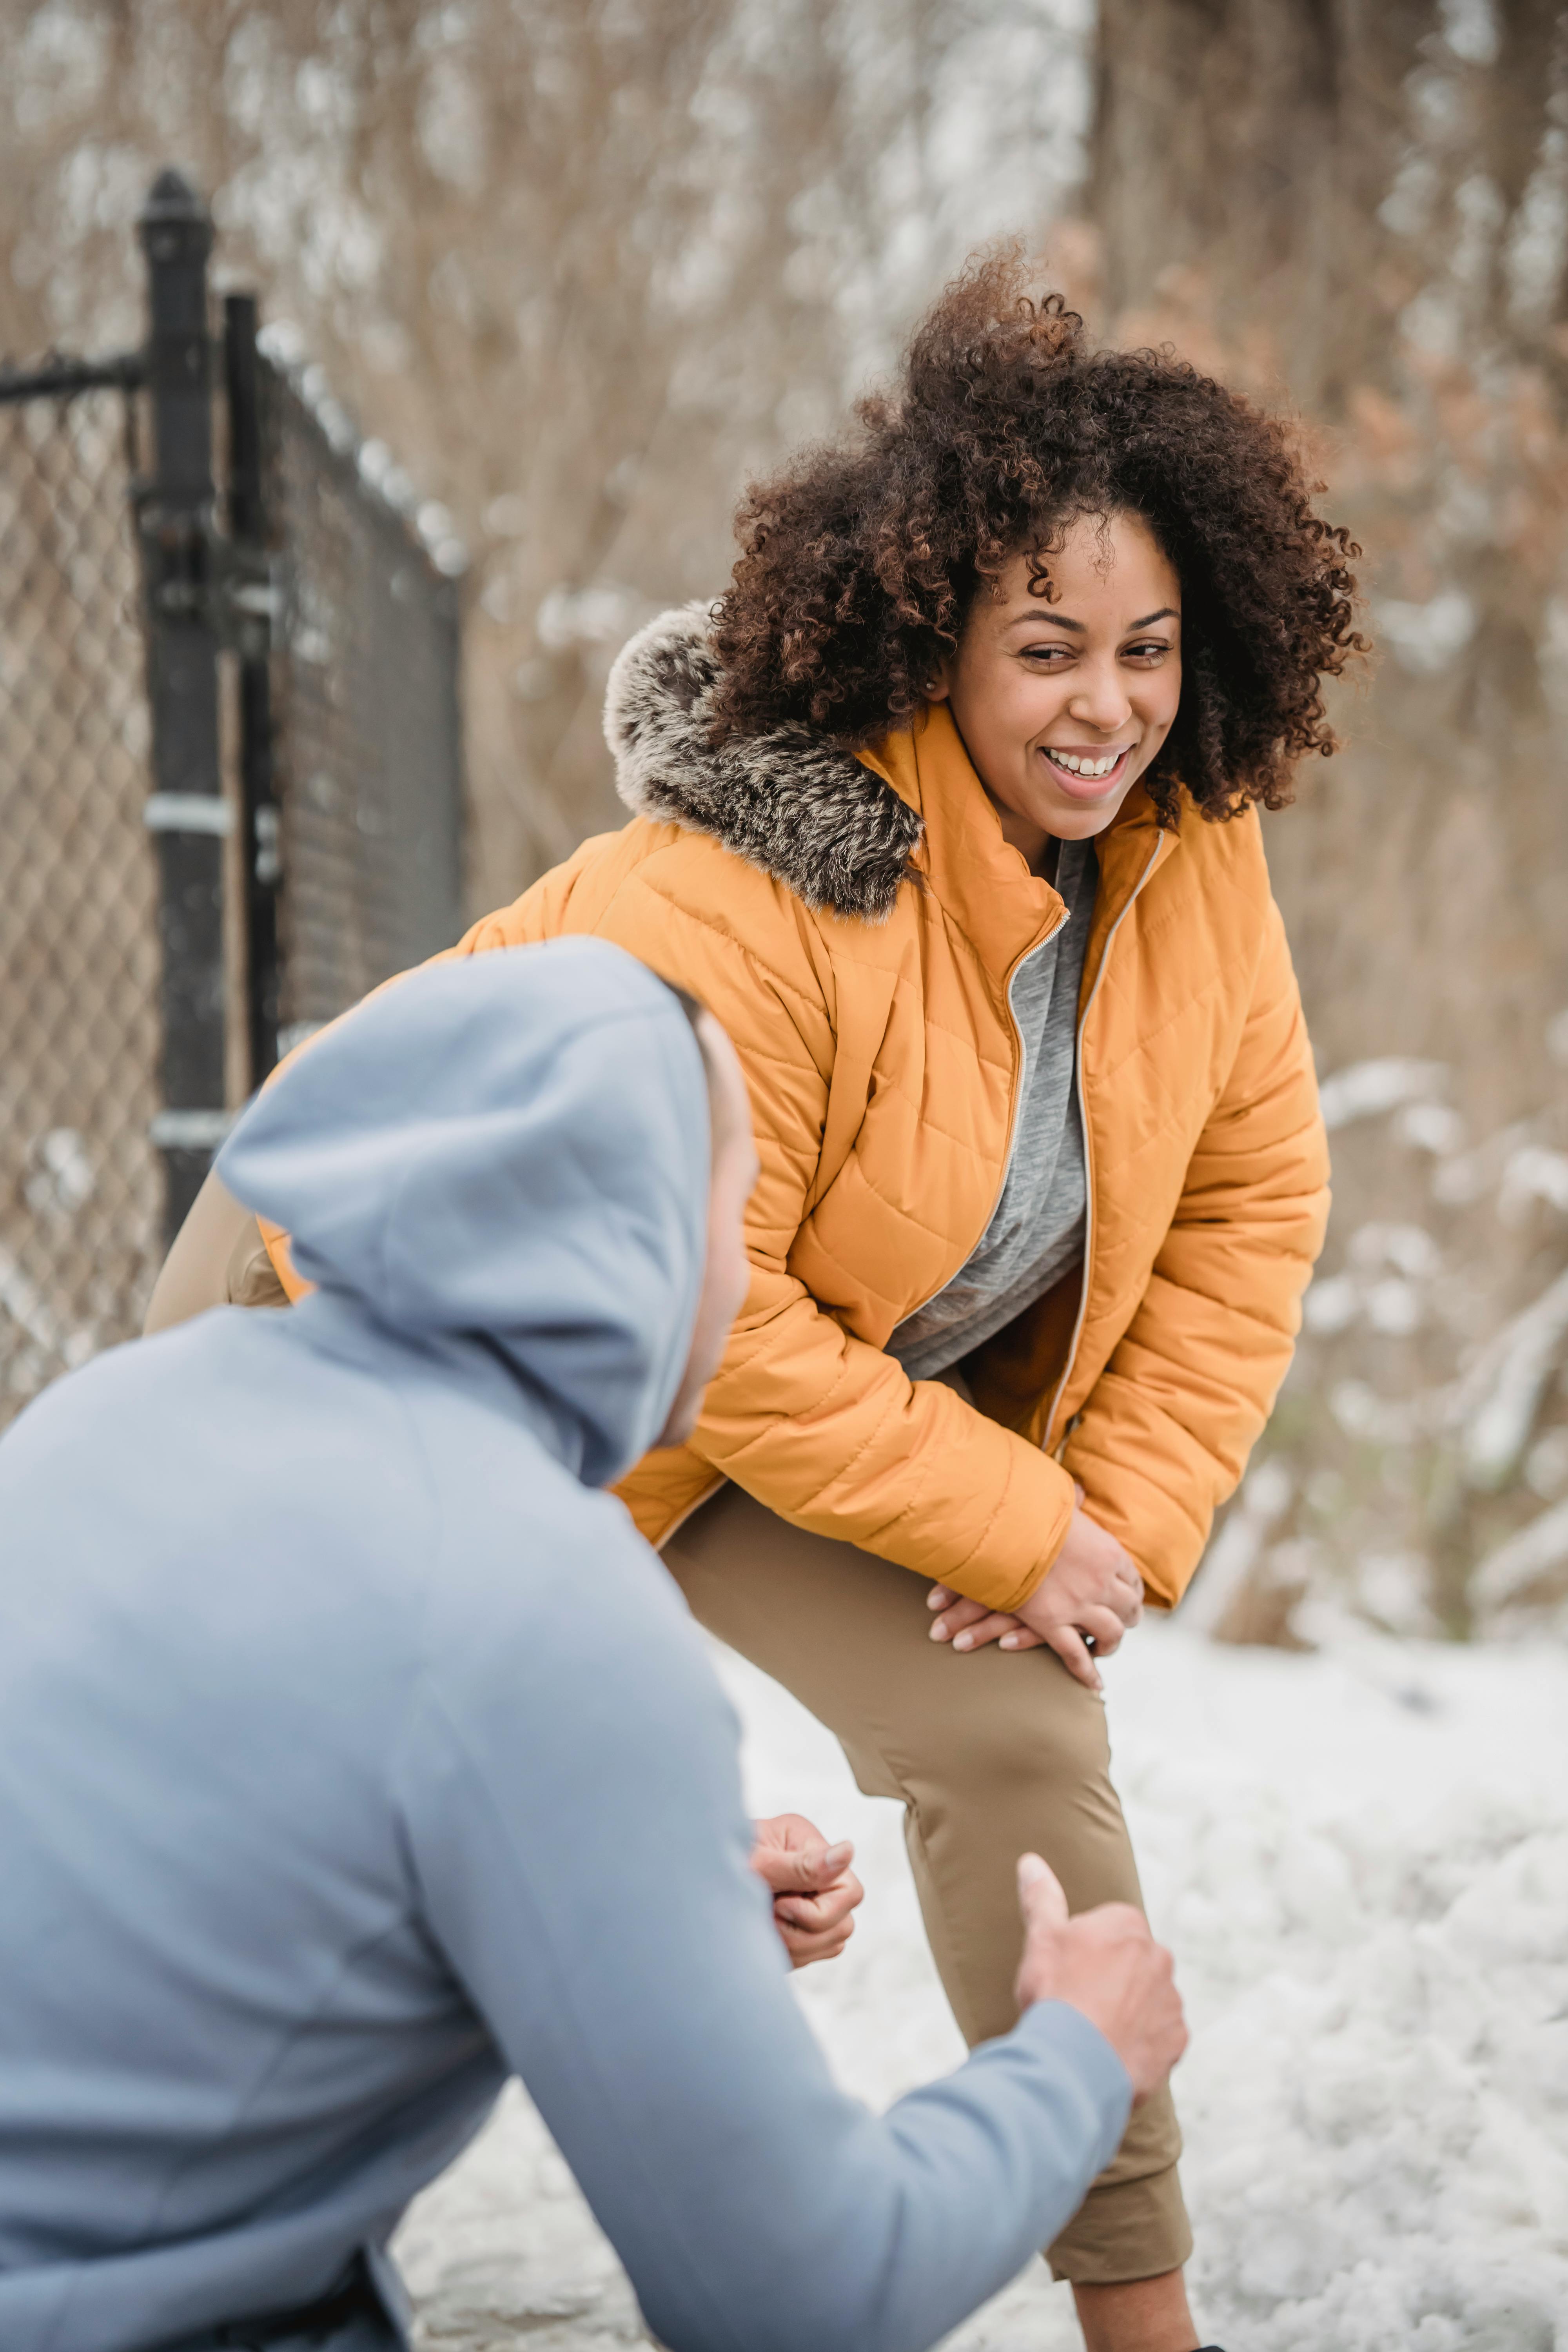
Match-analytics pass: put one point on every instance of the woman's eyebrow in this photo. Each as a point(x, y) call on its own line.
point(1061, 620)
point(1056, 620)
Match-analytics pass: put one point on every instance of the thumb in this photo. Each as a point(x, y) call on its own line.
point(1040, 1897)
point(811, 1867)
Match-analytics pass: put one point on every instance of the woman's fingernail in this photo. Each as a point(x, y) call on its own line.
point(961, 1641)
point(938, 1630)
point(1009, 1641)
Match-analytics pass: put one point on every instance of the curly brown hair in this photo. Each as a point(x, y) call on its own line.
point(860, 562)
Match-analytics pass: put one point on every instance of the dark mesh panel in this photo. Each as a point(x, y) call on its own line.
point(79, 1181)
point(366, 700)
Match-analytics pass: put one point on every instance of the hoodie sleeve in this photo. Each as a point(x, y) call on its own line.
point(572, 1806)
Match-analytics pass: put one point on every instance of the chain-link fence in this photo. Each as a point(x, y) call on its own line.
point(230, 779)
point(364, 680)
point(80, 1189)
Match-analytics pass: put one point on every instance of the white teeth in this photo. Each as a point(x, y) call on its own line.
point(1090, 767)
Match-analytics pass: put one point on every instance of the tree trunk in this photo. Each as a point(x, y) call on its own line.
point(1358, 209)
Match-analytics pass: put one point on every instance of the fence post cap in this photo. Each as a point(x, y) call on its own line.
point(173, 204)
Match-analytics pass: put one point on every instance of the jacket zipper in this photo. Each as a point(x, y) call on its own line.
point(1044, 940)
point(1088, 1169)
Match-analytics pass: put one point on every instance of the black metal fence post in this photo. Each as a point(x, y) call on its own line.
point(253, 602)
point(304, 562)
point(187, 812)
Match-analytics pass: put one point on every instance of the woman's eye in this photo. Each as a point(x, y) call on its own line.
point(1155, 646)
point(1047, 657)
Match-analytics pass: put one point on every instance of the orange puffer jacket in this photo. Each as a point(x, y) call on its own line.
point(854, 923)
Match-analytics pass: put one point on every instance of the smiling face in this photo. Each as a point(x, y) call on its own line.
point(1062, 705)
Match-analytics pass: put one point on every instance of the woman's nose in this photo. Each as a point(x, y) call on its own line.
point(1099, 699)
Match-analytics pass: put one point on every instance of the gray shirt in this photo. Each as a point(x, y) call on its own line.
point(1037, 1231)
point(355, 1752)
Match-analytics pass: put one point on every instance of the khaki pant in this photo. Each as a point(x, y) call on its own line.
point(991, 1754)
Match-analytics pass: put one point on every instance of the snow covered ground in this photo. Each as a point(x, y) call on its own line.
point(1361, 1859)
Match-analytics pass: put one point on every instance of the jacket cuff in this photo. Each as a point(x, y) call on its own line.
point(1055, 1493)
point(1165, 1542)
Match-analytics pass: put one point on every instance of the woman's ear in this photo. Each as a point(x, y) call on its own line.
point(935, 687)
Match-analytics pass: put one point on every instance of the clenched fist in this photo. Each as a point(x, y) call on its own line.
point(813, 1889)
point(1107, 1964)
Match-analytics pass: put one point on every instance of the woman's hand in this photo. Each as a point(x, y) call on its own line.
point(1093, 1593)
point(814, 1890)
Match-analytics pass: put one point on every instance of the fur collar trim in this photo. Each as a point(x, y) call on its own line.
point(794, 802)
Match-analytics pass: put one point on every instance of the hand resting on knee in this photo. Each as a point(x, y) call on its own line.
point(1092, 1595)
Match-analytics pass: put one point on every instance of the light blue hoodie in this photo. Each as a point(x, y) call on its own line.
point(356, 1751)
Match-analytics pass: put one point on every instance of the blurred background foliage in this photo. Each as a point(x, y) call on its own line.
point(584, 265)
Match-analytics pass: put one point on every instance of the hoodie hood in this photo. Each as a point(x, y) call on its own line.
point(514, 1147)
point(793, 801)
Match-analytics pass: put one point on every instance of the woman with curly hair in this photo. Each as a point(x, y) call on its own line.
point(948, 810)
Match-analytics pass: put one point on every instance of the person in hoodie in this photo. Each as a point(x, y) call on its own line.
point(326, 1804)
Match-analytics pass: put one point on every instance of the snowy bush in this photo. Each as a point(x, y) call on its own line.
point(1423, 1425)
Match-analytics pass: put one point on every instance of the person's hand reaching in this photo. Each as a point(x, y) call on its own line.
point(814, 1890)
point(1106, 1964)
point(1093, 1592)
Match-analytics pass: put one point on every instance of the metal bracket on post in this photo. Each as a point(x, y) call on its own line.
point(258, 802)
point(187, 812)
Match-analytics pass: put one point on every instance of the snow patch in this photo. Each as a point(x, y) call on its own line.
point(1361, 1859)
